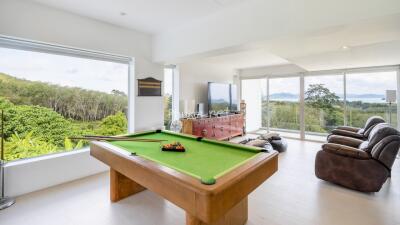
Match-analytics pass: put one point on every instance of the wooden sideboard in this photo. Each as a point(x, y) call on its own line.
point(220, 128)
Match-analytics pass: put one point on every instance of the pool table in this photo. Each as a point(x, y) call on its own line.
point(210, 180)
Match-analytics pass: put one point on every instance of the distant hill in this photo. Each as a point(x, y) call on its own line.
point(71, 102)
point(365, 96)
point(284, 95)
point(220, 100)
point(290, 95)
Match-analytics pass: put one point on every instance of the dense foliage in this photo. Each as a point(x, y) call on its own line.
point(113, 125)
point(40, 117)
point(167, 111)
point(43, 123)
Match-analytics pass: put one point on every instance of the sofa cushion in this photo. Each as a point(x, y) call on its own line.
point(379, 132)
point(343, 140)
point(345, 151)
point(372, 121)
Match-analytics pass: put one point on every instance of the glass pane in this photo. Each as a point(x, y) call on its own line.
point(168, 81)
point(323, 98)
point(251, 94)
point(366, 94)
point(284, 104)
point(48, 98)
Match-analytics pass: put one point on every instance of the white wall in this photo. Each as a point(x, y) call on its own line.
point(251, 94)
point(194, 78)
point(36, 22)
point(37, 173)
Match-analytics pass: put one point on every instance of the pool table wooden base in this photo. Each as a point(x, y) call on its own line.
point(122, 187)
point(236, 216)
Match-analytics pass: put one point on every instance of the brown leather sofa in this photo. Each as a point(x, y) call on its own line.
point(359, 133)
point(357, 164)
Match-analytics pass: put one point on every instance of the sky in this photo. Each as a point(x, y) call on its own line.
point(107, 76)
point(357, 83)
point(65, 70)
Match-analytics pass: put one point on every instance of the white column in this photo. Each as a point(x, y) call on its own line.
point(398, 97)
point(344, 98)
point(131, 97)
point(175, 94)
point(301, 108)
point(268, 109)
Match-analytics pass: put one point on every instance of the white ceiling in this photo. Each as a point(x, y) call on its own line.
point(253, 33)
point(149, 16)
point(370, 42)
point(246, 59)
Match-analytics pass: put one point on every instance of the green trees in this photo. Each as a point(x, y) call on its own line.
point(167, 110)
point(34, 130)
point(42, 123)
point(323, 109)
point(318, 96)
point(113, 125)
point(18, 147)
point(70, 102)
point(39, 117)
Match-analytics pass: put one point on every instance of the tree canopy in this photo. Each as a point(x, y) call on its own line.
point(71, 102)
point(318, 96)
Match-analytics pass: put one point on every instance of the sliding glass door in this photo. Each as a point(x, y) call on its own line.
point(344, 97)
point(284, 104)
point(323, 103)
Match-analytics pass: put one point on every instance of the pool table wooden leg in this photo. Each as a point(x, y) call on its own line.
point(122, 187)
point(236, 216)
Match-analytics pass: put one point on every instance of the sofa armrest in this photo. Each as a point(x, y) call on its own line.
point(348, 128)
point(347, 133)
point(345, 151)
point(342, 140)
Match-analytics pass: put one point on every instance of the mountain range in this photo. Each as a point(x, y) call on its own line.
point(286, 95)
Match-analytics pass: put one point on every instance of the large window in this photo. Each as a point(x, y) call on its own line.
point(330, 99)
point(366, 94)
point(48, 98)
point(324, 108)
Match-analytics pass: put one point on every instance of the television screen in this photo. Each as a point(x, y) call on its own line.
point(234, 98)
point(218, 97)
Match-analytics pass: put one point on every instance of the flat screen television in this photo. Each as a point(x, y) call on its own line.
point(222, 97)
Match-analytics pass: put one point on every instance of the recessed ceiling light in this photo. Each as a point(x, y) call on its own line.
point(122, 13)
point(345, 47)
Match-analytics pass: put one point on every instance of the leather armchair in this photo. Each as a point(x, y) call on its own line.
point(356, 164)
point(359, 133)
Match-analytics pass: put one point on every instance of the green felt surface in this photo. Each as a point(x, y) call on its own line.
point(205, 160)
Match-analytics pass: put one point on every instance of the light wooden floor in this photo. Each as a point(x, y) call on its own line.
point(292, 196)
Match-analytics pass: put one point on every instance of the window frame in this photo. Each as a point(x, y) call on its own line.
point(56, 49)
point(344, 72)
